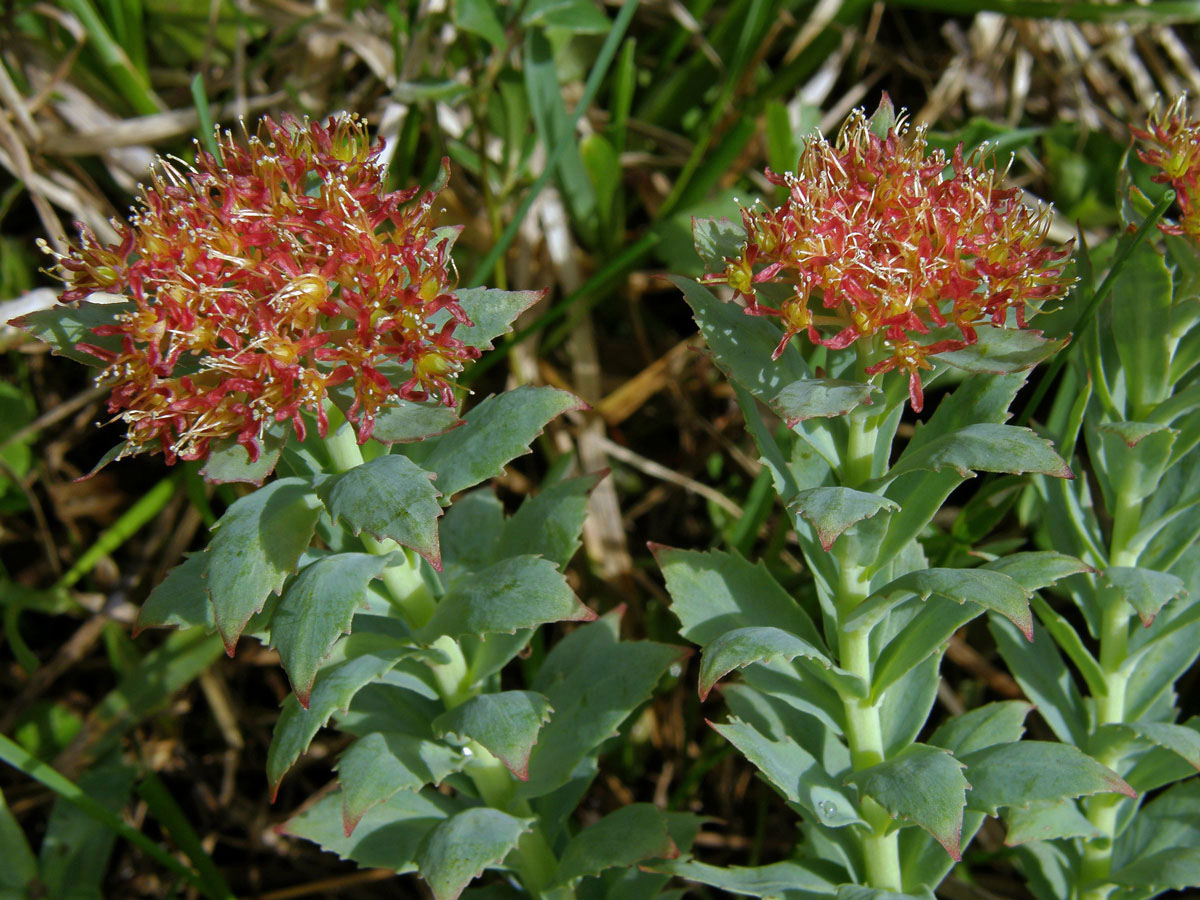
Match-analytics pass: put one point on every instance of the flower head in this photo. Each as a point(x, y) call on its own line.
point(876, 241)
point(1174, 149)
point(260, 281)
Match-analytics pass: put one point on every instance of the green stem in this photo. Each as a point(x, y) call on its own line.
point(1103, 810)
point(864, 732)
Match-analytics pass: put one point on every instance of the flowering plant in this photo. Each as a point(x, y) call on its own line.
point(1131, 626)
point(278, 307)
point(876, 248)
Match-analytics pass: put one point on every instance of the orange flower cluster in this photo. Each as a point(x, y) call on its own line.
point(875, 241)
point(1174, 141)
point(260, 281)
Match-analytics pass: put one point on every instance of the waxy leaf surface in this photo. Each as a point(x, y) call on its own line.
point(507, 724)
point(593, 682)
point(461, 847)
point(1047, 822)
point(387, 836)
point(316, 609)
point(1036, 569)
point(743, 646)
point(496, 431)
point(1146, 590)
point(379, 764)
point(1044, 677)
point(924, 785)
point(622, 838)
point(64, 325)
point(985, 447)
point(773, 880)
point(548, 523)
point(1027, 772)
point(1002, 351)
point(491, 312)
point(990, 590)
point(718, 240)
point(832, 510)
point(180, 599)
point(1181, 740)
point(993, 723)
point(811, 398)
point(256, 545)
point(521, 592)
point(228, 461)
point(388, 497)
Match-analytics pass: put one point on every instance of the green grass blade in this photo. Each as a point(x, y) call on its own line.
point(164, 808)
point(206, 127)
point(125, 76)
point(599, 68)
point(19, 759)
point(1160, 12)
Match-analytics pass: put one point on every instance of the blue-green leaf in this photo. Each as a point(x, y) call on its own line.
point(1002, 351)
point(622, 838)
point(743, 646)
point(990, 590)
point(388, 497)
point(549, 522)
point(316, 609)
point(924, 785)
point(811, 398)
point(65, 325)
point(507, 724)
point(1027, 772)
point(379, 764)
point(257, 544)
point(1047, 822)
point(993, 723)
point(832, 510)
point(491, 312)
point(497, 430)
point(1146, 590)
point(718, 240)
point(458, 849)
point(1036, 569)
point(520, 592)
point(985, 447)
point(1044, 677)
point(180, 599)
point(773, 880)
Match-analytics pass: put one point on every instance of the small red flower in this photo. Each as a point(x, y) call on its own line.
point(262, 280)
point(1174, 141)
point(875, 240)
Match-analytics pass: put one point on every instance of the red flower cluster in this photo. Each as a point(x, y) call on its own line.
point(262, 280)
point(875, 241)
point(1175, 150)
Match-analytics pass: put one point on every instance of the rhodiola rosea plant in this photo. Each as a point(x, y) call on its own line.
point(1132, 396)
point(279, 315)
point(883, 269)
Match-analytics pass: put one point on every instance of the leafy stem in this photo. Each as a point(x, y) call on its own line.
point(864, 733)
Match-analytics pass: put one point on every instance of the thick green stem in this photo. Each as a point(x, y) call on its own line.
point(864, 734)
point(1102, 811)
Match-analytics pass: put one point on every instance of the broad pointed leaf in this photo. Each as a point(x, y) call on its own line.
point(521, 592)
point(507, 724)
point(378, 765)
point(1047, 822)
point(549, 522)
point(1036, 569)
point(334, 688)
point(832, 510)
point(924, 636)
point(743, 646)
point(497, 430)
point(811, 398)
point(924, 785)
point(774, 880)
point(985, 447)
point(715, 592)
point(991, 590)
point(458, 849)
point(794, 772)
point(65, 325)
point(388, 497)
point(862, 892)
point(1179, 739)
point(622, 838)
point(593, 681)
point(257, 544)
point(387, 836)
point(1141, 316)
point(1044, 677)
point(993, 723)
point(404, 421)
point(1177, 868)
point(180, 599)
point(491, 312)
point(1027, 772)
point(1146, 590)
point(718, 240)
point(228, 461)
point(316, 609)
point(1001, 351)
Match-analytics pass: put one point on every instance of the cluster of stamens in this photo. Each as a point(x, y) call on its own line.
point(1174, 149)
point(877, 241)
point(260, 281)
